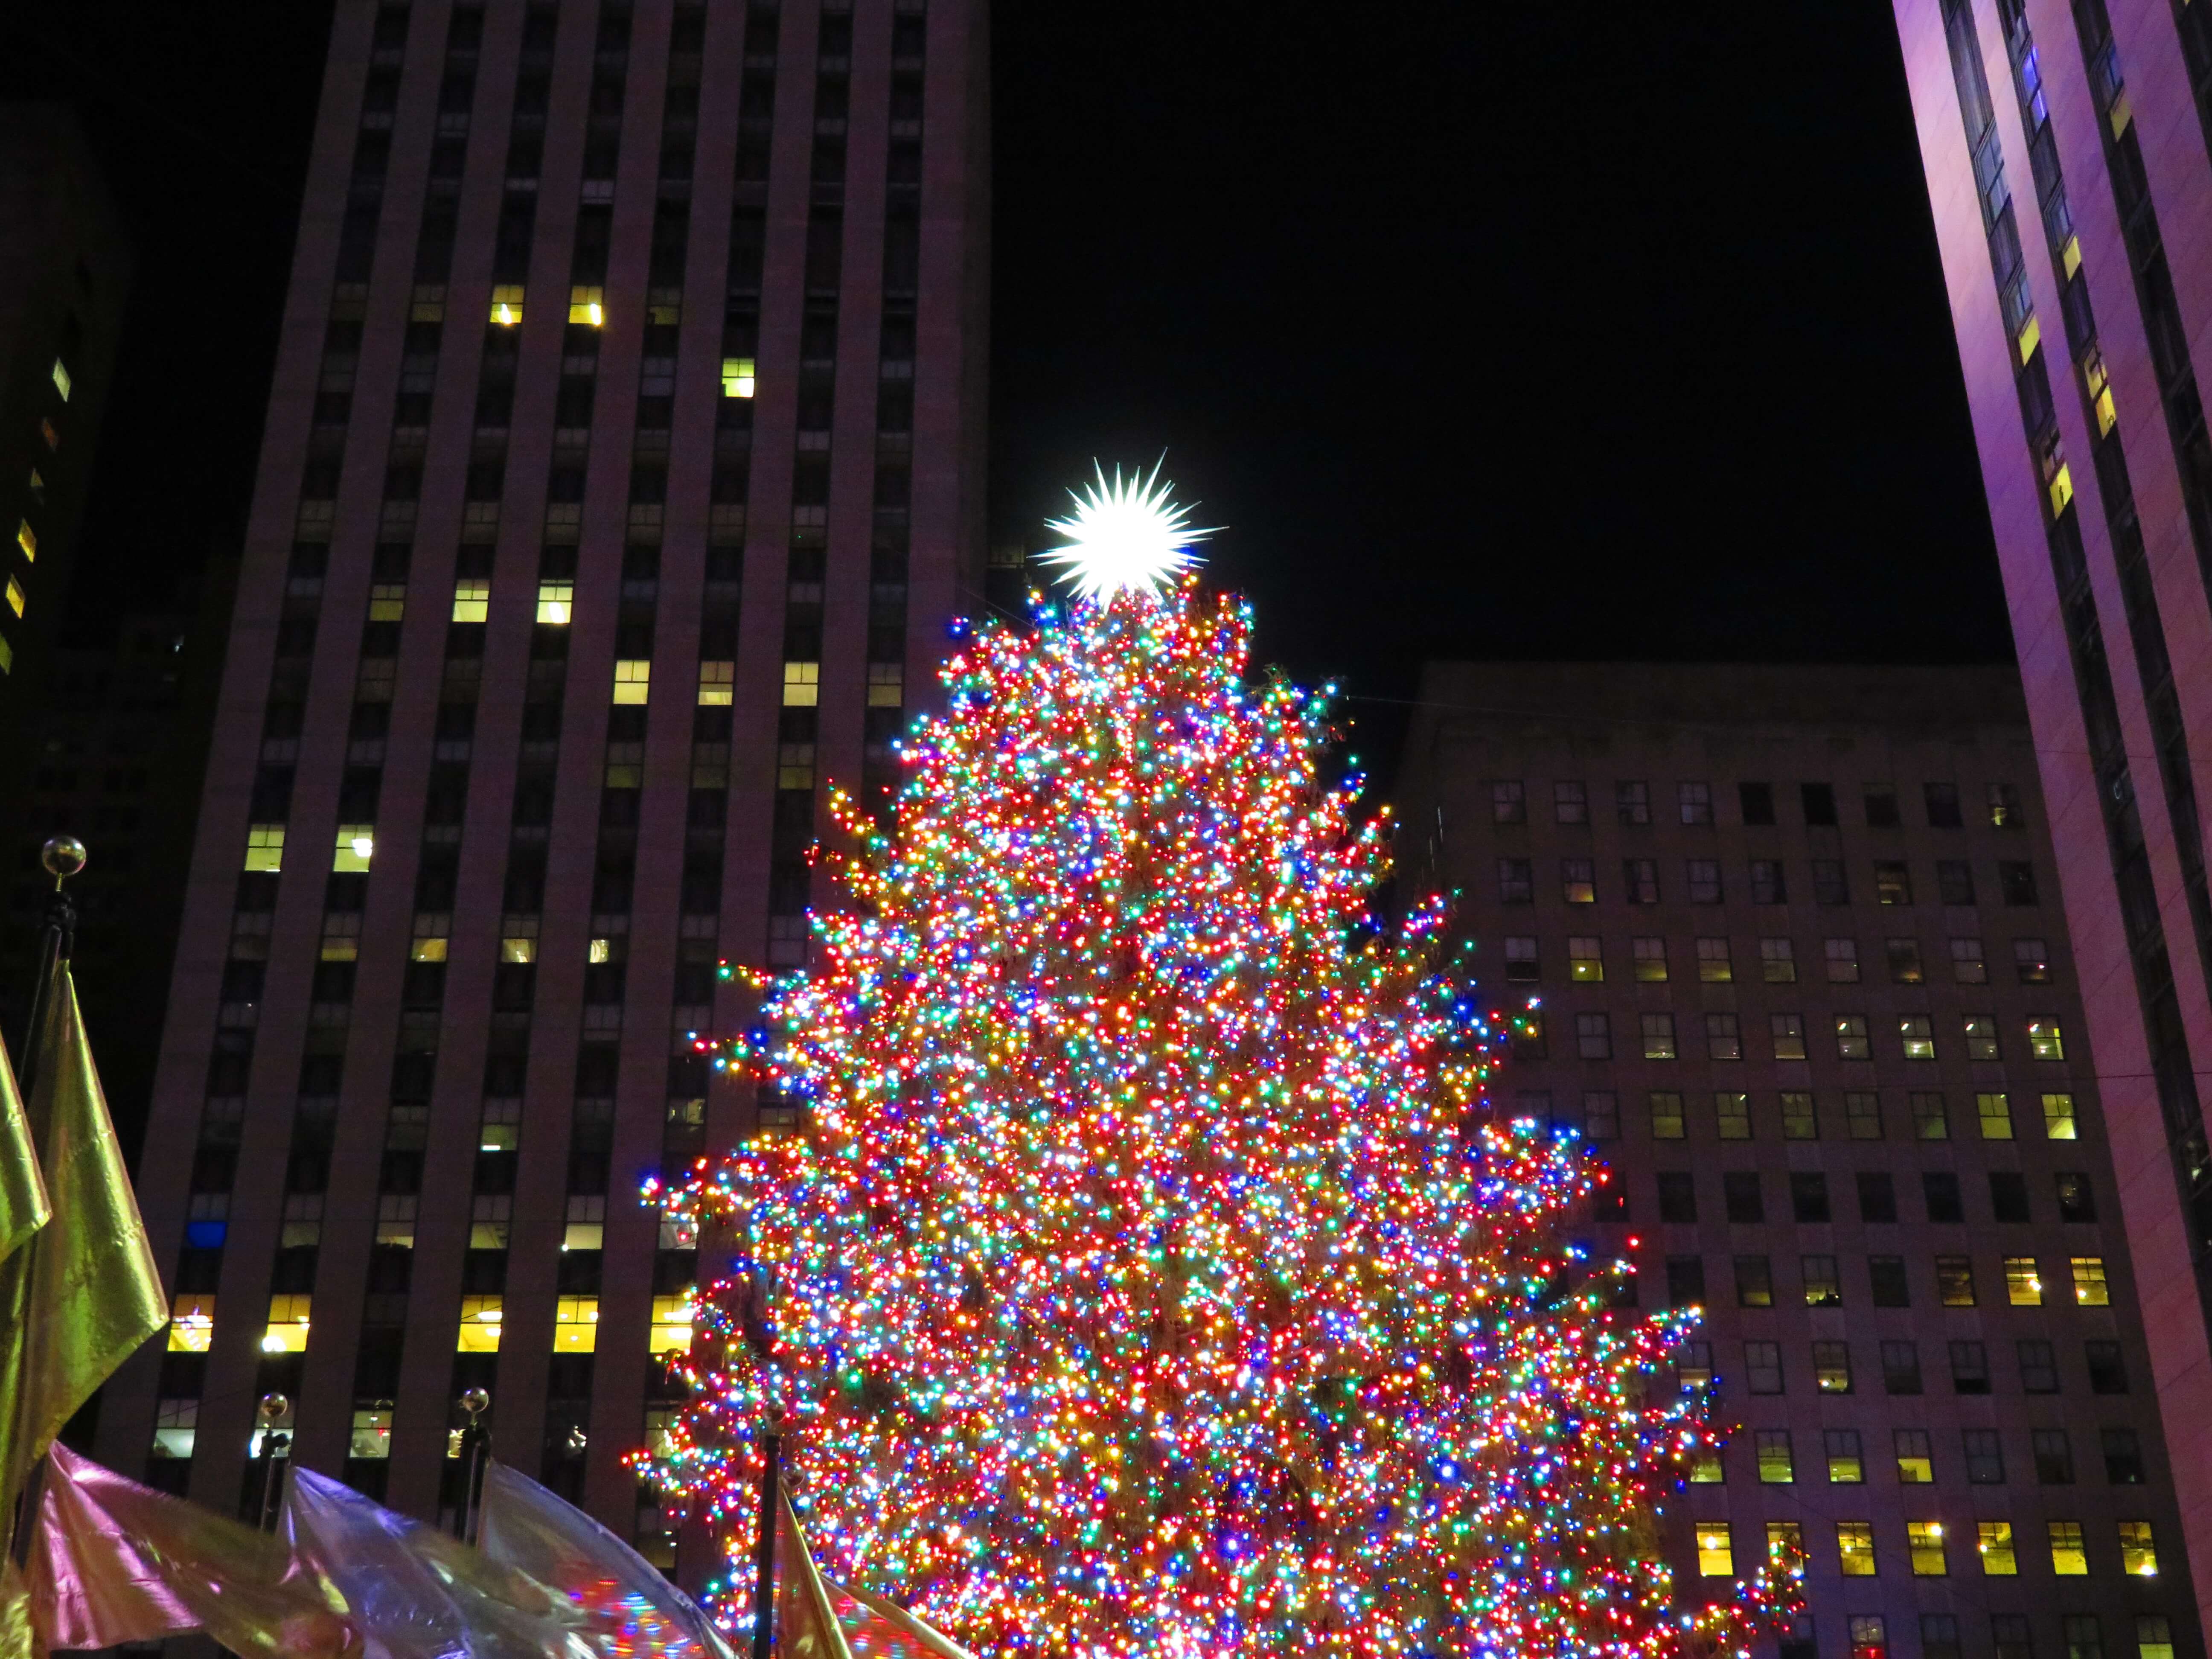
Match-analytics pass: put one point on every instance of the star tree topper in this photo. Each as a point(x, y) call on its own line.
point(1125, 537)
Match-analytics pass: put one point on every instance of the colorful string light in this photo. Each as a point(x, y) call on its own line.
point(1150, 1274)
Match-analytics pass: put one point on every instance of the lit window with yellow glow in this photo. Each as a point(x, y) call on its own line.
point(287, 1325)
point(633, 679)
point(2069, 1552)
point(2058, 1120)
point(372, 1432)
point(586, 1224)
point(507, 305)
point(576, 1324)
point(27, 539)
point(191, 1323)
point(491, 1217)
point(556, 603)
point(265, 848)
point(1585, 961)
point(671, 1324)
point(481, 1316)
point(2023, 1285)
point(472, 601)
point(62, 382)
point(1993, 1542)
point(2139, 1550)
point(1994, 1111)
point(518, 947)
point(498, 1130)
point(717, 684)
point(2069, 256)
point(2090, 1289)
point(2031, 336)
point(387, 601)
point(587, 305)
point(802, 684)
point(14, 596)
point(1854, 1548)
point(356, 845)
point(2154, 1637)
point(433, 932)
point(600, 950)
point(1924, 1544)
point(737, 377)
point(1716, 1552)
point(2062, 489)
point(2098, 384)
point(2044, 1040)
point(340, 936)
point(886, 684)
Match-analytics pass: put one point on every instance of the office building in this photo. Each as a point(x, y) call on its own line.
point(1800, 972)
point(622, 468)
point(2068, 149)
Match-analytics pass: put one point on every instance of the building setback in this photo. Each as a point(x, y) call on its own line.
point(1800, 972)
point(2068, 149)
point(622, 468)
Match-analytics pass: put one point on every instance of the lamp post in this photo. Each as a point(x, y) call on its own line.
point(764, 1545)
point(275, 1443)
point(476, 1456)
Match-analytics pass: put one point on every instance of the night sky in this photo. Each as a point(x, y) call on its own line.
point(1522, 331)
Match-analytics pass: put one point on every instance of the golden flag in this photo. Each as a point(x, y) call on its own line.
point(877, 1629)
point(805, 1626)
point(23, 1208)
point(85, 1292)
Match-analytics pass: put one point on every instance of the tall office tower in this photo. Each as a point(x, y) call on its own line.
point(63, 268)
point(1802, 977)
point(2067, 150)
point(622, 468)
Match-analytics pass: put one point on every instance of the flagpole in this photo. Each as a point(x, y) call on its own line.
point(62, 856)
point(764, 1548)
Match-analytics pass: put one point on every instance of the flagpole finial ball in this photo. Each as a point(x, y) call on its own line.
point(63, 856)
point(474, 1402)
point(273, 1409)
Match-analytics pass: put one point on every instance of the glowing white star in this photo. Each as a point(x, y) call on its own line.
point(1125, 537)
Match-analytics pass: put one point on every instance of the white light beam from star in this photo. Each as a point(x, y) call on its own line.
point(1125, 537)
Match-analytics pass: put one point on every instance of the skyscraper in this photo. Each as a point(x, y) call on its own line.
point(2068, 149)
point(622, 468)
point(1800, 976)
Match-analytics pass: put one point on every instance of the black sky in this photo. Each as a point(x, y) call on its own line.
point(1533, 331)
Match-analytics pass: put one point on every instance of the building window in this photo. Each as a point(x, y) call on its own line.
point(1892, 882)
point(1696, 800)
point(1967, 966)
point(1981, 1033)
point(1954, 1280)
point(1993, 1541)
point(1745, 1201)
point(1923, 1546)
point(1658, 1035)
point(1846, 1463)
point(1862, 1114)
point(1508, 803)
point(1570, 803)
point(1985, 1453)
point(191, 1323)
point(587, 307)
point(1517, 882)
point(1650, 955)
point(1842, 959)
point(2023, 1285)
point(1633, 802)
point(1732, 1115)
point(1585, 961)
point(671, 1330)
point(2077, 1202)
point(356, 847)
point(27, 539)
point(1686, 1281)
point(2031, 961)
point(1756, 801)
point(1640, 878)
point(176, 1424)
point(802, 684)
point(1593, 1037)
point(2016, 881)
point(472, 601)
point(1762, 1367)
point(1941, 801)
point(1789, 1032)
point(556, 603)
point(2108, 1374)
point(1777, 962)
point(737, 377)
point(1798, 1120)
point(265, 848)
point(1823, 1287)
point(1887, 1285)
point(1900, 1370)
point(1600, 1114)
point(2139, 1550)
point(1904, 959)
point(2044, 1040)
point(2090, 1289)
point(717, 684)
point(1713, 965)
point(1715, 1558)
point(1704, 879)
point(1724, 1038)
point(1851, 1040)
point(1776, 1466)
point(1917, 1033)
point(886, 684)
point(1916, 1463)
point(507, 305)
point(1855, 1552)
point(1930, 1121)
point(1678, 1196)
point(481, 1318)
point(1954, 881)
point(16, 600)
point(2004, 807)
point(1521, 961)
point(1667, 1119)
point(1970, 1368)
point(2069, 1555)
point(1578, 881)
point(1995, 1112)
point(1831, 886)
point(633, 679)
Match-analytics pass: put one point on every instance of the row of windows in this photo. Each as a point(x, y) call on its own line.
point(2082, 1637)
point(1940, 803)
point(575, 1327)
point(1657, 1036)
point(1714, 962)
point(1768, 881)
point(1842, 1459)
point(1743, 1194)
point(1928, 1544)
point(1765, 1372)
point(1596, 1115)
point(1889, 1282)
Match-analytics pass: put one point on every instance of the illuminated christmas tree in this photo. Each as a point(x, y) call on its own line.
point(1150, 1274)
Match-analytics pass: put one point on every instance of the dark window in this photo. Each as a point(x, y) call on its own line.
point(1639, 878)
point(1754, 1282)
point(2016, 881)
point(1808, 1196)
point(1741, 1189)
point(1900, 1367)
point(1941, 1190)
point(1633, 802)
point(2123, 1463)
point(1762, 1365)
point(2039, 1366)
point(2108, 1372)
point(1892, 881)
point(1768, 884)
point(2009, 1195)
point(1830, 885)
point(1508, 803)
point(1954, 881)
point(1881, 812)
point(1985, 1453)
point(2077, 1201)
point(1704, 876)
point(1686, 1281)
point(1820, 802)
point(1517, 882)
point(2054, 1457)
point(1877, 1196)
point(1757, 800)
point(1943, 800)
point(1886, 1275)
point(1970, 1368)
point(1678, 1196)
point(1939, 1638)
